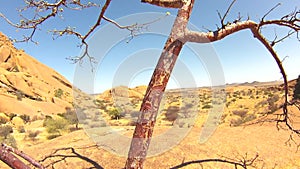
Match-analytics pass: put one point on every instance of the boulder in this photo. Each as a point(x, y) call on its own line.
point(17, 121)
point(5, 53)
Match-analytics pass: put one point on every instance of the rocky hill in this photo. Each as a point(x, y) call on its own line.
point(28, 86)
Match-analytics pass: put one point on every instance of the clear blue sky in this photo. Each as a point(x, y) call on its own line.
point(242, 57)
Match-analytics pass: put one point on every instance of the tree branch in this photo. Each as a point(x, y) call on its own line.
point(244, 163)
point(24, 156)
point(226, 13)
point(62, 154)
point(165, 3)
point(7, 157)
point(290, 21)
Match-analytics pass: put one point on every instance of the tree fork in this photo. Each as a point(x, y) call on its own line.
point(157, 85)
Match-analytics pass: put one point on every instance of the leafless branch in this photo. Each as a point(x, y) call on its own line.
point(12, 161)
point(62, 154)
point(58, 7)
point(136, 28)
point(275, 41)
point(272, 9)
point(290, 21)
point(226, 13)
point(243, 162)
point(291, 141)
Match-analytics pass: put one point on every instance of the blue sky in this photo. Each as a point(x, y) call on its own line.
point(242, 57)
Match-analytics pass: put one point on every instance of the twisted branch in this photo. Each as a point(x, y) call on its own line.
point(291, 21)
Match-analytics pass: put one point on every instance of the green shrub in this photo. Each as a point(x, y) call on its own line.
point(58, 93)
point(55, 125)
point(71, 116)
point(47, 118)
point(5, 131)
point(9, 140)
point(53, 135)
point(114, 114)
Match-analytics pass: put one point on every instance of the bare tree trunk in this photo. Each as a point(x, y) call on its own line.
point(149, 108)
point(12, 161)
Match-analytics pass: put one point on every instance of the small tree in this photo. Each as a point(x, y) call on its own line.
point(114, 114)
point(172, 113)
point(70, 116)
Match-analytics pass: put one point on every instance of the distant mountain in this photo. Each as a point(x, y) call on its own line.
point(28, 86)
point(256, 83)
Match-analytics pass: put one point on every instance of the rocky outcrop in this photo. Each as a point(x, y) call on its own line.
point(29, 85)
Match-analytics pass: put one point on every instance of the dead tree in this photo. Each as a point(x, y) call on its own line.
point(179, 35)
point(8, 156)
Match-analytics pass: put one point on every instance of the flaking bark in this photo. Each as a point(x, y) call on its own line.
point(149, 108)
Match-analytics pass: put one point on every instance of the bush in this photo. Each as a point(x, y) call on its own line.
point(33, 134)
point(52, 136)
point(3, 120)
point(207, 106)
point(236, 122)
point(55, 125)
point(58, 93)
point(240, 113)
point(273, 99)
point(71, 116)
point(5, 131)
point(114, 114)
point(21, 129)
point(172, 113)
point(242, 120)
point(19, 95)
point(47, 118)
point(9, 140)
point(25, 118)
point(249, 117)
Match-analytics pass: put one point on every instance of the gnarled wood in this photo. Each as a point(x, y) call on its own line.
point(149, 108)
